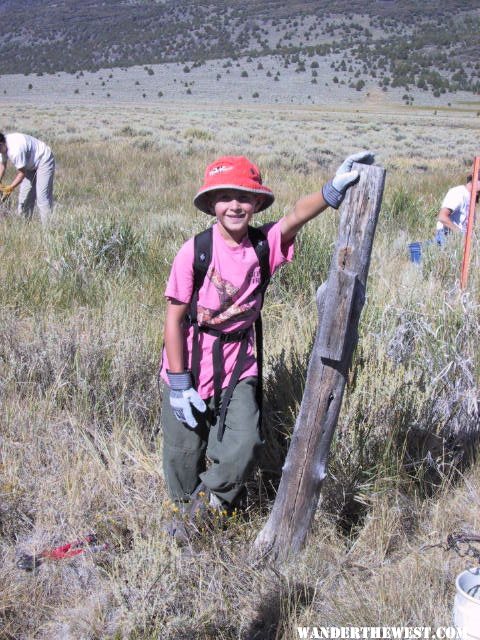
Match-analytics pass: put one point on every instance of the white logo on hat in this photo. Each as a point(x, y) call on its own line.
point(221, 169)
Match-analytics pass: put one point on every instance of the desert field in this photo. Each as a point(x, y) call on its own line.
point(81, 326)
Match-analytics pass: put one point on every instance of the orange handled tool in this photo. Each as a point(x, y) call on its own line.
point(471, 219)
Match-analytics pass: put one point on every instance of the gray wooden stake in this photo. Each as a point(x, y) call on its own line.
point(340, 301)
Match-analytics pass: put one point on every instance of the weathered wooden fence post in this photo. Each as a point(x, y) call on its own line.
point(340, 301)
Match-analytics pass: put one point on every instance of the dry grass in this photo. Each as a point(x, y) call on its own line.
point(80, 336)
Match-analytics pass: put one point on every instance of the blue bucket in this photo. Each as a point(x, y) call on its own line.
point(415, 251)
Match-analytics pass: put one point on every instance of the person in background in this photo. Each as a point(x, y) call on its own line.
point(453, 214)
point(35, 166)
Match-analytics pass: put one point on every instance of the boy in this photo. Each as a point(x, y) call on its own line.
point(215, 411)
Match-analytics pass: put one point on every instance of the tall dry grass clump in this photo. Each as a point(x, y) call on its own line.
point(80, 338)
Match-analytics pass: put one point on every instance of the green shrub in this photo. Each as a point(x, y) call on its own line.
point(197, 134)
point(110, 245)
point(86, 253)
point(403, 209)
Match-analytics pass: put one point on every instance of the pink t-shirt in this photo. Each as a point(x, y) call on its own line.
point(226, 300)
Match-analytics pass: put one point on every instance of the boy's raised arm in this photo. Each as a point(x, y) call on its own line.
point(332, 194)
point(304, 210)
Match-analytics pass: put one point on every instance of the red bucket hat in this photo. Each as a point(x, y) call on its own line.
point(232, 172)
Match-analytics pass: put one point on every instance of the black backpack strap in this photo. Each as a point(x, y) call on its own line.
point(260, 244)
point(202, 256)
point(259, 349)
point(236, 373)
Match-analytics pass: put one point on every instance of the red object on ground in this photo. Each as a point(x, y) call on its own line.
point(29, 562)
point(68, 550)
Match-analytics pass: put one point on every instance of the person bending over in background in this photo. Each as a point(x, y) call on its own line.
point(208, 362)
point(453, 214)
point(35, 166)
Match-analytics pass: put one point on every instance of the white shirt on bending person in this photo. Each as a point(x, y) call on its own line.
point(25, 152)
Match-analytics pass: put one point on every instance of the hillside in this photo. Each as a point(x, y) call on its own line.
point(428, 46)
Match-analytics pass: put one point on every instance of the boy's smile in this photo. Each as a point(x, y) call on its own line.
point(234, 209)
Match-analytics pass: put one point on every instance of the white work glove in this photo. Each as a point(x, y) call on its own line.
point(183, 396)
point(334, 191)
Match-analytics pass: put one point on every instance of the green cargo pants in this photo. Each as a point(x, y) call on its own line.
point(185, 450)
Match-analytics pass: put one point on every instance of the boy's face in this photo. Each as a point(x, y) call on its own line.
point(234, 209)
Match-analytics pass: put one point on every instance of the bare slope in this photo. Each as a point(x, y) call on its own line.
point(396, 43)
